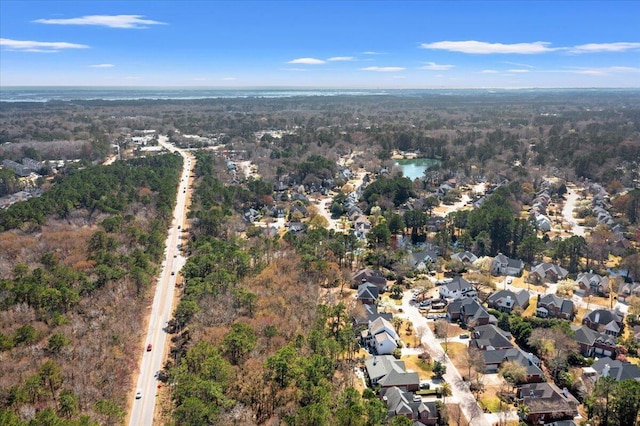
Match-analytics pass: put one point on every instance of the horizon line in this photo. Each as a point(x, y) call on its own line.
point(284, 87)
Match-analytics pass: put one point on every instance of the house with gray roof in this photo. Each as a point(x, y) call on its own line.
point(367, 293)
point(456, 288)
point(386, 371)
point(490, 337)
point(604, 321)
point(547, 272)
point(507, 300)
point(619, 370)
point(469, 312)
point(547, 402)
point(593, 343)
point(380, 337)
point(552, 306)
point(502, 265)
point(372, 276)
point(594, 283)
point(493, 359)
point(420, 260)
point(369, 313)
point(465, 257)
point(403, 403)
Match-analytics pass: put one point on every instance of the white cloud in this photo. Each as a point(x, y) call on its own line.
point(605, 70)
point(517, 64)
point(228, 79)
point(111, 21)
point(432, 66)
point(605, 47)
point(102, 66)
point(518, 71)
point(341, 59)
point(306, 61)
point(198, 79)
point(371, 52)
point(39, 46)
point(483, 48)
point(489, 72)
point(383, 69)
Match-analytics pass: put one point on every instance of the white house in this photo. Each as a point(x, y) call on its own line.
point(382, 337)
point(455, 289)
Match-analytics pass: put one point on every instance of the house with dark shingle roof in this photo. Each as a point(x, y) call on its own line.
point(593, 343)
point(421, 259)
point(490, 337)
point(372, 276)
point(465, 257)
point(547, 402)
point(594, 283)
point(552, 306)
point(469, 312)
point(619, 370)
point(402, 403)
point(604, 321)
point(493, 359)
point(368, 314)
point(507, 300)
point(367, 293)
point(547, 272)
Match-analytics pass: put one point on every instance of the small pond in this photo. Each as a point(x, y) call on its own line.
point(416, 167)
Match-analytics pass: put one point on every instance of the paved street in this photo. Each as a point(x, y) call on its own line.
point(151, 361)
point(460, 391)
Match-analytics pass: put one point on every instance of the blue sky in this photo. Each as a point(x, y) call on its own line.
point(342, 44)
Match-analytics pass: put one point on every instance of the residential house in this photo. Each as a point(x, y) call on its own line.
point(503, 265)
point(251, 215)
point(494, 358)
point(367, 293)
point(507, 300)
point(386, 371)
point(547, 402)
point(456, 288)
point(295, 227)
point(366, 314)
point(593, 343)
point(469, 312)
point(552, 306)
point(465, 257)
point(619, 370)
point(381, 337)
point(594, 283)
point(628, 290)
point(422, 259)
point(490, 337)
point(371, 276)
point(604, 321)
point(403, 403)
point(547, 272)
point(436, 223)
point(543, 223)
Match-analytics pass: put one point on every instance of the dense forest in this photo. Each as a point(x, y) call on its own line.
point(77, 266)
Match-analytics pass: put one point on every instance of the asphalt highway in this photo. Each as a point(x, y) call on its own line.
point(151, 361)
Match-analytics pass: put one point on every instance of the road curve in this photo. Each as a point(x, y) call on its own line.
point(142, 409)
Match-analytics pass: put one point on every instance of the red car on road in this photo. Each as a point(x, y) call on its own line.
point(149, 347)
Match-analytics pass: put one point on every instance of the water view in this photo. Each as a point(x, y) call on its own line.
point(416, 167)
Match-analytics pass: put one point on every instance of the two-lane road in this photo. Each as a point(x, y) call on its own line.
point(143, 407)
